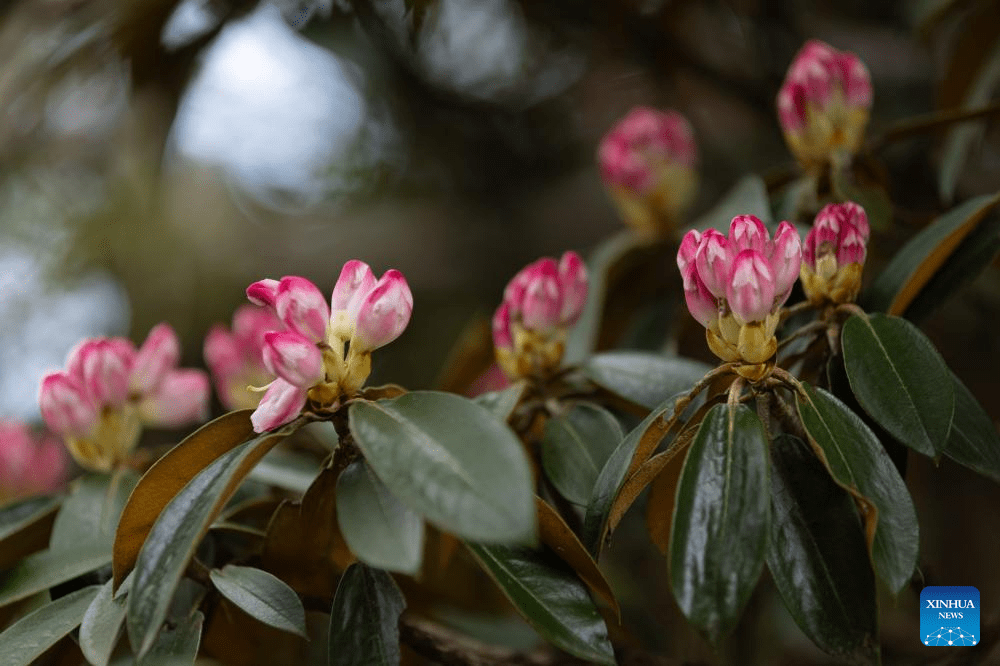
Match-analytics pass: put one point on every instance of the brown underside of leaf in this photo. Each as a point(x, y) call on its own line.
point(304, 546)
point(237, 639)
point(557, 535)
point(167, 477)
point(660, 508)
point(31, 539)
point(930, 265)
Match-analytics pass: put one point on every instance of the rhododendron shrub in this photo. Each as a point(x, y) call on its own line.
point(323, 517)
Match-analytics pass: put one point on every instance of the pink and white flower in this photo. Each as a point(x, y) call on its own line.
point(647, 162)
point(735, 285)
point(29, 464)
point(109, 389)
point(325, 350)
point(834, 254)
point(235, 357)
point(540, 304)
point(824, 102)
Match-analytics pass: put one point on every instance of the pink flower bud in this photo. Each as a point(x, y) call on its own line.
point(824, 101)
point(250, 323)
point(840, 230)
point(384, 314)
point(573, 280)
point(704, 307)
point(542, 299)
point(157, 356)
point(645, 141)
point(751, 288)
point(302, 307)
point(236, 359)
point(263, 292)
point(292, 357)
point(747, 232)
point(786, 259)
point(29, 464)
point(356, 281)
point(222, 351)
point(66, 405)
point(180, 399)
point(104, 365)
point(712, 262)
point(502, 338)
point(281, 403)
point(688, 249)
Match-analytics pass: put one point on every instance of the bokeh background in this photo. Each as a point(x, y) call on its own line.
point(156, 156)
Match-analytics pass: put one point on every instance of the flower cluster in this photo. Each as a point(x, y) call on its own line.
point(834, 254)
point(735, 286)
point(540, 303)
point(29, 464)
point(647, 164)
point(309, 357)
point(109, 389)
point(236, 358)
point(823, 104)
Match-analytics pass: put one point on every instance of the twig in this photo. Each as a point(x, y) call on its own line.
point(808, 329)
point(930, 122)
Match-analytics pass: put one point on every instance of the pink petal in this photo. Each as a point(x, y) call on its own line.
point(704, 307)
point(157, 356)
point(263, 292)
point(502, 338)
point(281, 403)
point(293, 358)
point(751, 288)
point(542, 301)
point(66, 406)
point(221, 350)
point(356, 281)
point(712, 261)
point(747, 232)
point(104, 366)
point(573, 280)
point(688, 249)
point(303, 308)
point(786, 258)
point(180, 399)
point(251, 322)
point(384, 314)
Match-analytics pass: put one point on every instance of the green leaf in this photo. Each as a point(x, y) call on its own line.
point(900, 379)
point(965, 264)
point(263, 596)
point(25, 527)
point(286, 469)
point(90, 514)
point(380, 530)
point(575, 447)
point(612, 476)
point(42, 570)
point(721, 519)
point(974, 441)
point(913, 266)
point(364, 620)
point(29, 637)
point(859, 464)
point(101, 625)
point(550, 597)
point(747, 197)
point(645, 379)
point(451, 461)
point(167, 476)
point(178, 530)
point(584, 335)
point(817, 555)
point(502, 403)
point(960, 139)
point(176, 646)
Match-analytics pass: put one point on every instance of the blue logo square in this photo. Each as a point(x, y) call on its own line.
point(949, 616)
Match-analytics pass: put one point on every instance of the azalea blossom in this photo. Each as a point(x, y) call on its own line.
point(647, 163)
point(540, 304)
point(109, 390)
point(29, 463)
point(324, 351)
point(824, 102)
point(735, 286)
point(834, 255)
